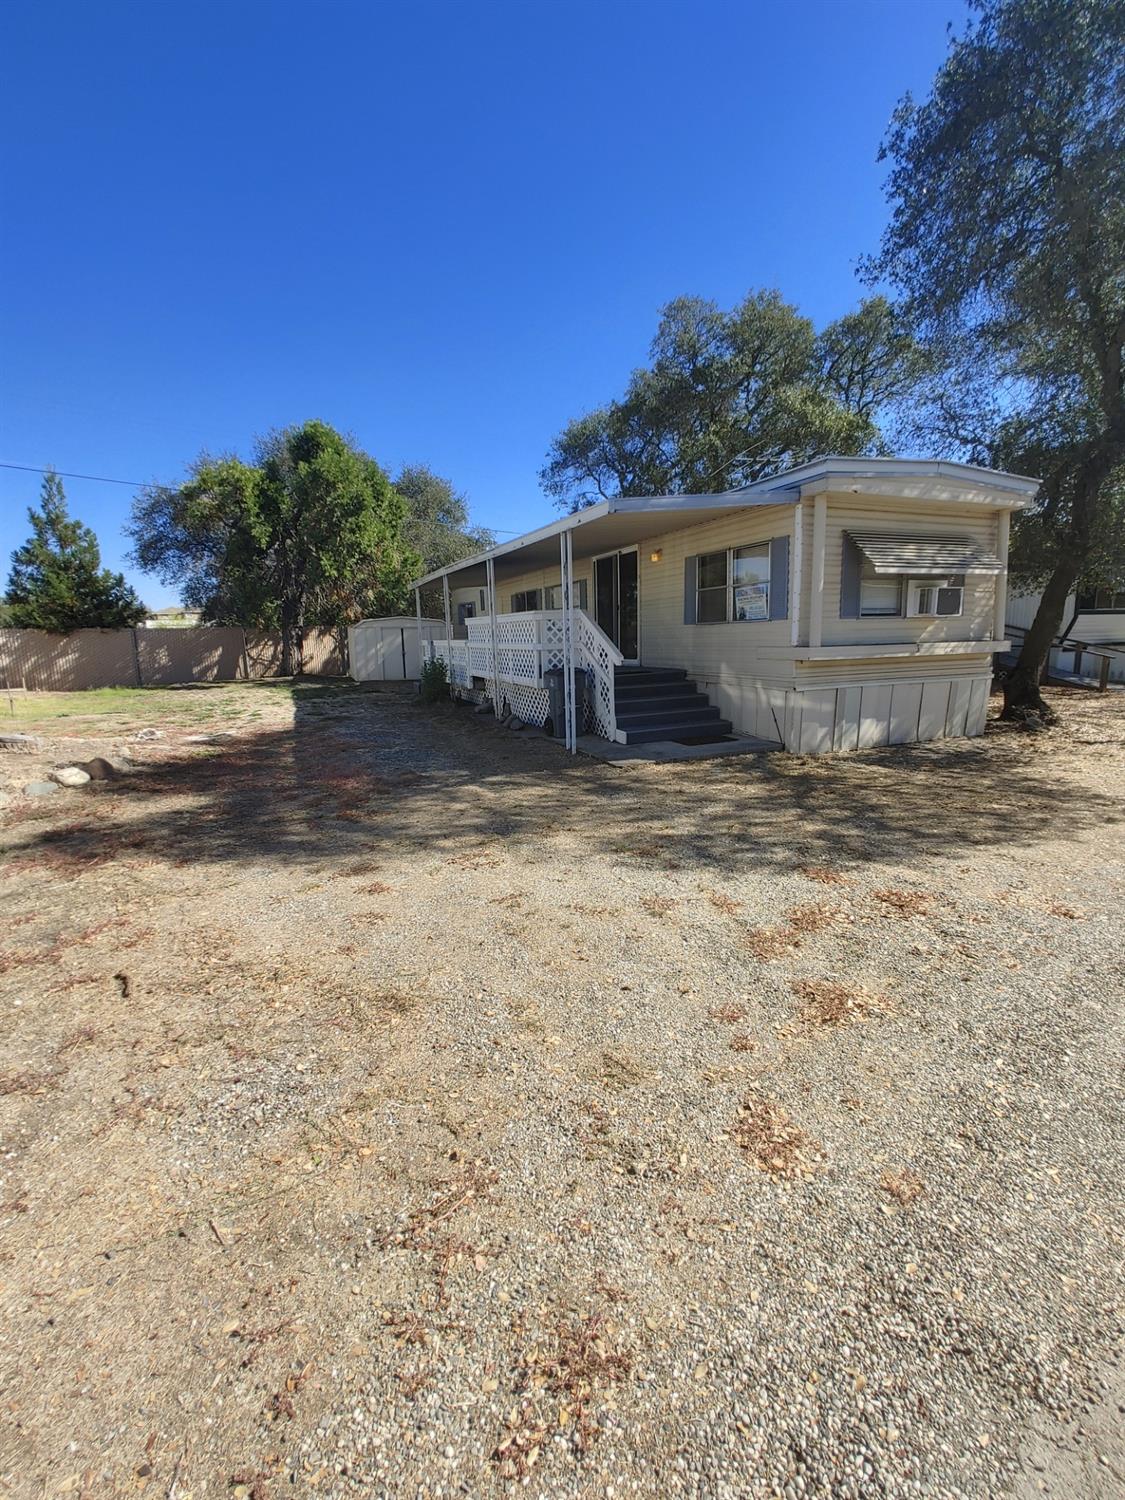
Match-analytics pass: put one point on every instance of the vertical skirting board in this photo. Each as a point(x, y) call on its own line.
point(860, 717)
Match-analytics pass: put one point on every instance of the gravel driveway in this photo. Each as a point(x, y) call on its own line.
point(392, 1106)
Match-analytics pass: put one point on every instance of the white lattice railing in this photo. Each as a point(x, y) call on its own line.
point(526, 645)
point(594, 650)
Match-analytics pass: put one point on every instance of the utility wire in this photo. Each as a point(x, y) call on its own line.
point(138, 484)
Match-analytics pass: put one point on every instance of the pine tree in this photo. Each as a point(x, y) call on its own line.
point(57, 581)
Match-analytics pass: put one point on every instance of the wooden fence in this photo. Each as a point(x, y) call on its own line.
point(154, 658)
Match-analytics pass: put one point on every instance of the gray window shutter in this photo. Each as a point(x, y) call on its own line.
point(779, 578)
point(691, 575)
point(849, 580)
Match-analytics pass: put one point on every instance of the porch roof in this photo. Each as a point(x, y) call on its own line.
point(625, 520)
point(605, 527)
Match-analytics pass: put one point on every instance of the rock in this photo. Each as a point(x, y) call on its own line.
point(23, 744)
point(40, 789)
point(148, 734)
point(484, 707)
point(515, 722)
point(70, 776)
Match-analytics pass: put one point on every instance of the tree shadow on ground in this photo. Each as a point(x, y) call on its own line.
point(366, 776)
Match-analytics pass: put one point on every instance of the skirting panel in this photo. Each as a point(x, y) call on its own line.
point(819, 720)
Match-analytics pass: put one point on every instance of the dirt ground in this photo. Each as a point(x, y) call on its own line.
point(392, 1105)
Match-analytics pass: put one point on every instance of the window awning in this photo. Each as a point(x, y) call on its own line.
point(925, 556)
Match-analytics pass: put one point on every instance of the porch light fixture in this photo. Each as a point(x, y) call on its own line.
point(656, 555)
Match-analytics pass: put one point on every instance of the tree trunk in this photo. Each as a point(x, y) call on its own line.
point(292, 637)
point(1021, 687)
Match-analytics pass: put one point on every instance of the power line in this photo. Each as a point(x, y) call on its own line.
point(135, 484)
point(138, 484)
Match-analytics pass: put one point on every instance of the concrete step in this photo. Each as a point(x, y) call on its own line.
point(698, 713)
point(638, 677)
point(624, 692)
point(668, 704)
point(677, 731)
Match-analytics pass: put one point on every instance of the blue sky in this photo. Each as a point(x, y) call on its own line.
point(446, 228)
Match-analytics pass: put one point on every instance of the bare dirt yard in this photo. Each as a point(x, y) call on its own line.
point(393, 1106)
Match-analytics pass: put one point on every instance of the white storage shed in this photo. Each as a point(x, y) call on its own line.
point(387, 650)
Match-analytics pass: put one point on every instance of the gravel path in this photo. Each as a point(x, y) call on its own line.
point(394, 1107)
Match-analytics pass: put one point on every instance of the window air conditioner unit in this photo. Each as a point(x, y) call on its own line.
point(938, 596)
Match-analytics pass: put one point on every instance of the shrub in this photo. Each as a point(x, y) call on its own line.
point(434, 680)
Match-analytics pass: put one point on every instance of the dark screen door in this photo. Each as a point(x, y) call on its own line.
point(615, 600)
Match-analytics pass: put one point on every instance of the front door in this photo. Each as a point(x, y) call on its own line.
point(616, 600)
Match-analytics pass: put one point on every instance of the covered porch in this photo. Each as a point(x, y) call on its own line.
point(507, 656)
point(575, 601)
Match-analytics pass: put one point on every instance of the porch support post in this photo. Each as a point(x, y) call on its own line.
point(567, 651)
point(418, 615)
point(999, 622)
point(574, 726)
point(490, 572)
point(816, 603)
point(448, 617)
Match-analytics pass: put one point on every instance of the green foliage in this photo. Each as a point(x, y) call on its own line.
point(57, 581)
point(730, 397)
point(434, 680)
point(1008, 241)
point(437, 524)
point(308, 534)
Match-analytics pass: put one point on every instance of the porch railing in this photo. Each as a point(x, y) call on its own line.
point(511, 652)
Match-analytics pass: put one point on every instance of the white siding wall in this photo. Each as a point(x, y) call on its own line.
point(722, 658)
point(541, 578)
point(921, 519)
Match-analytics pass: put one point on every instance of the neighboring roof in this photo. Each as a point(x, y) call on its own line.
point(619, 521)
point(888, 552)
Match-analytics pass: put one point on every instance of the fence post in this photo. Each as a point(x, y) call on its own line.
point(137, 658)
point(1103, 675)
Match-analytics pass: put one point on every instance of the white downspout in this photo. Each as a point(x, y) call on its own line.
point(570, 638)
point(798, 573)
point(999, 621)
point(816, 602)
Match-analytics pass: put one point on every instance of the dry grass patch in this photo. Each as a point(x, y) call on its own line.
point(773, 1142)
point(827, 1003)
point(904, 904)
point(728, 1014)
point(824, 874)
point(658, 906)
point(742, 1042)
point(723, 903)
point(1059, 909)
point(583, 1358)
point(904, 1186)
point(383, 1004)
point(813, 917)
point(621, 1070)
point(27, 1082)
point(769, 943)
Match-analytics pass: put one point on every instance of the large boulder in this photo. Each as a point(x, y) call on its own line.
point(70, 776)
